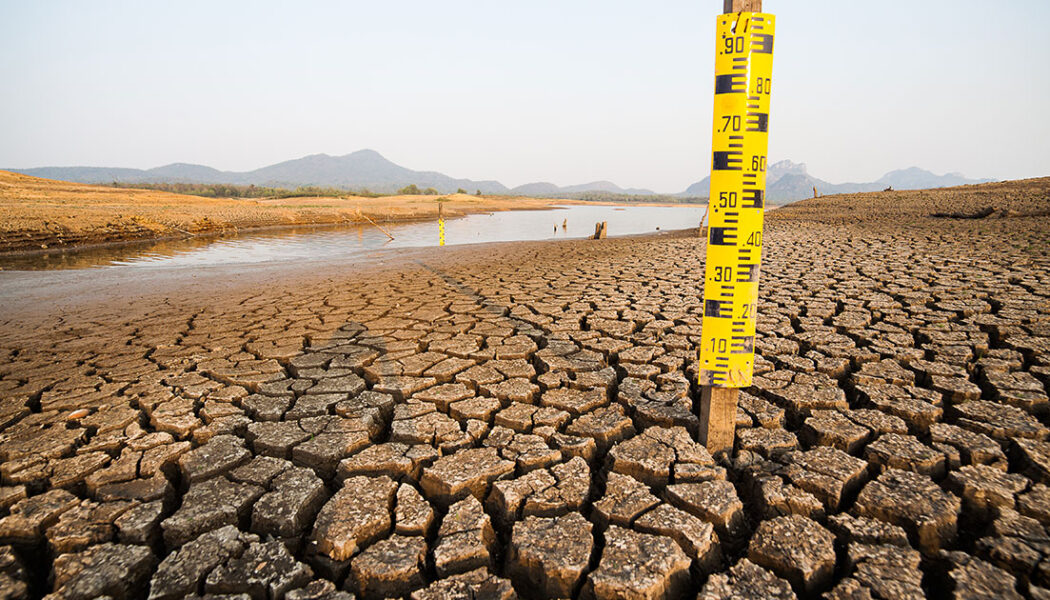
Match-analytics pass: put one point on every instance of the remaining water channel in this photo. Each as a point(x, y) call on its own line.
point(348, 242)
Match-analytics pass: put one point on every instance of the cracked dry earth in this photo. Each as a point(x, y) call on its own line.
point(519, 420)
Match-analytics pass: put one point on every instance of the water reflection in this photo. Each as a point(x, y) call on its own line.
point(310, 243)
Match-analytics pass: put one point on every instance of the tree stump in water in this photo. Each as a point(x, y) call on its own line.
point(600, 229)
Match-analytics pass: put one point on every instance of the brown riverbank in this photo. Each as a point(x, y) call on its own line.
point(41, 214)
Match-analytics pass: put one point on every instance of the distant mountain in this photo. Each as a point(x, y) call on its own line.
point(359, 170)
point(787, 181)
point(187, 173)
point(542, 188)
point(915, 178)
point(364, 169)
point(603, 186)
point(367, 169)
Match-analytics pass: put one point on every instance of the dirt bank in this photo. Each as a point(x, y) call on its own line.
point(41, 214)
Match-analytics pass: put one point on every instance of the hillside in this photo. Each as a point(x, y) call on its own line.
point(364, 169)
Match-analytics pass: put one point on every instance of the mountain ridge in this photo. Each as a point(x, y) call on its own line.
point(367, 169)
point(787, 181)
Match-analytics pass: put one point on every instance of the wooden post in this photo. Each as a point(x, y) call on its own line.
point(718, 404)
point(600, 230)
point(735, 6)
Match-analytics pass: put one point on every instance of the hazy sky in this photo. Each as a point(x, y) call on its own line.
point(563, 91)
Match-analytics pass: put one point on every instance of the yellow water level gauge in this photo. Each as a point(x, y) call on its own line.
point(743, 83)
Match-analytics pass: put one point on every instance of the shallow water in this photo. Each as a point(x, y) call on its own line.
point(328, 243)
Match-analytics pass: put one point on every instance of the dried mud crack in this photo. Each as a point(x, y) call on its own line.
point(519, 420)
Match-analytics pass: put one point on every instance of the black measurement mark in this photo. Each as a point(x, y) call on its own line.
point(731, 160)
point(723, 236)
point(758, 122)
point(718, 309)
point(747, 273)
point(753, 199)
point(761, 43)
point(734, 83)
point(742, 344)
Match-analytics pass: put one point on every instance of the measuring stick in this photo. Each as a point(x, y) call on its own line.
point(441, 224)
point(743, 80)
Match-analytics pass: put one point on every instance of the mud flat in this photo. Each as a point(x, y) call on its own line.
point(519, 419)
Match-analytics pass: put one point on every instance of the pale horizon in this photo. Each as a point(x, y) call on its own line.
point(542, 92)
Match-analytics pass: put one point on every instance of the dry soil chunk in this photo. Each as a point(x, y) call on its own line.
point(862, 530)
point(984, 488)
point(84, 525)
point(696, 537)
point(296, 496)
point(413, 516)
point(713, 501)
point(796, 548)
point(1033, 457)
point(467, 472)
point(906, 452)
point(182, 572)
point(606, 425)
point(746, 581)
point(104, 570)
point(769, 443)
point(318, 589)
point(827, 473)
point(659, 453)
point(359, 513)
point(465, 539)
point(885, 571)
point(141, 524)
point(998, 421)
point(545, 492)
point(390, 568)
point(392, 459)
point(221, 454)
point(1036, 503)
point(550, 554)
point(625, 499)
point(973, 448)
point(640, 566)
point(916, 503)
point(478, 584)
point(206, 506)
point(974, 579)
point(832, 428)
point(30, 517)
point(276, 439)
point(264, 570)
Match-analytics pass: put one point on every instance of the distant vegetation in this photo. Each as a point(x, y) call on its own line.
point(228, 190)
point(225, 190)
point(628, 198)
point(413, 190)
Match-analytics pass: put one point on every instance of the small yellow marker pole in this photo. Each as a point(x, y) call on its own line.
point(441, 225)
point(743, 78)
